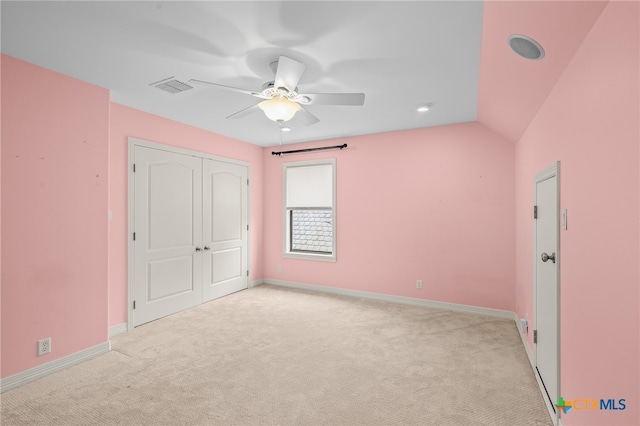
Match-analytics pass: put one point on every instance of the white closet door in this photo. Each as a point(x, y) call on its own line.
point(168, 230)
point(546, 286)
point(225, 220)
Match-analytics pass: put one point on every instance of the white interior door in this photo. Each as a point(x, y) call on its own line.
point(168, 229)
point(547, 296)
point(225, 195)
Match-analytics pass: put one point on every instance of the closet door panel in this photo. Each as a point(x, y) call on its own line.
point(168, 229)
point(225, 221)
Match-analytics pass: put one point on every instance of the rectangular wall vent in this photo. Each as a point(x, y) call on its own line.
point(171, 85)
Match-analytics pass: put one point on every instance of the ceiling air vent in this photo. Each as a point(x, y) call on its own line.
point(526, 47)
point(171, 85)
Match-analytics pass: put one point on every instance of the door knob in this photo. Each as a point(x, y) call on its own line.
point(207, 248)
point(546, 257)
point(198, 249)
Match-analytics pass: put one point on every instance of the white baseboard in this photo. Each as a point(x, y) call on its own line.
point(496, 313)
point(256, 283)
point(114, 330)
point(24, 377)
point(532, 361)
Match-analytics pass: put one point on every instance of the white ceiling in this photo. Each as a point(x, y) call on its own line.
point(400, 54)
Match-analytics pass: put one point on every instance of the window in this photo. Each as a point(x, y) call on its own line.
point(309, 209)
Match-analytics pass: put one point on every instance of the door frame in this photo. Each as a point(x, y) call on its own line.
point(547, 173)
point(133, 143)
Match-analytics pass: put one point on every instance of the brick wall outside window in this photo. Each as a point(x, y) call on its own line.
point(312, 230)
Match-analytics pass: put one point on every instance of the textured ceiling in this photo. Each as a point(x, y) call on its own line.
point(400, 54)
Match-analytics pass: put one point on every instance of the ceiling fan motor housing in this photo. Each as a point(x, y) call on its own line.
point(269, 91)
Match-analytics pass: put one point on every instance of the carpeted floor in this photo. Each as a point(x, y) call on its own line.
point(274, 356)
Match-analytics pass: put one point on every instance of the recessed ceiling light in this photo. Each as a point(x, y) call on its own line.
point(424, 107)
point(285, 129)
point(526, 47)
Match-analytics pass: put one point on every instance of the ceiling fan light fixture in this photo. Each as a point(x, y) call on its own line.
point(279, 109)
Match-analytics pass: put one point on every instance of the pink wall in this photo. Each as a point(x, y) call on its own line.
point(54, 213)
point(126, 122)
point(1, 60)
point(590, 122)
point(434, 204)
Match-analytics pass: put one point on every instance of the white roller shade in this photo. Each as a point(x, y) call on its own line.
point(310, 186)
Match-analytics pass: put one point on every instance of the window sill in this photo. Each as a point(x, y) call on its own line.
point(310, 256)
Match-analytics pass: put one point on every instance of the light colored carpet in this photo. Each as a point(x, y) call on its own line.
point(274, 356)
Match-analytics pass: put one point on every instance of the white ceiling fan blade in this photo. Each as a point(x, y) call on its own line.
point(305, 118)
point(355, 99)
point(244, 112)
point(288, 73)
point(222, 86)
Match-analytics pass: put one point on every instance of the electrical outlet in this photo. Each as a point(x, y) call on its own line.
point(419, 284)
point(279, 268)
point(44, 346)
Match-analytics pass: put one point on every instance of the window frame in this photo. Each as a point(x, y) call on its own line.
point(286, 223)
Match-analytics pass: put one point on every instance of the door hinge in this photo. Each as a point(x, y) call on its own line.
point(134, 304)
point(247, 272)
point(247, 181)
point(535, 212)
point(134, 167)
point(134, 236)
point(247, 227)
point(535, 336)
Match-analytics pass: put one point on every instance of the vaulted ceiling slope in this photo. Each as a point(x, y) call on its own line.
point(453, 54)
point(512, 89)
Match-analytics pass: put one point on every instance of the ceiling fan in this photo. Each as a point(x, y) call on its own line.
point(281, 100)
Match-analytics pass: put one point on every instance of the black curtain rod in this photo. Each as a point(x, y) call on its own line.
point(309, 149)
